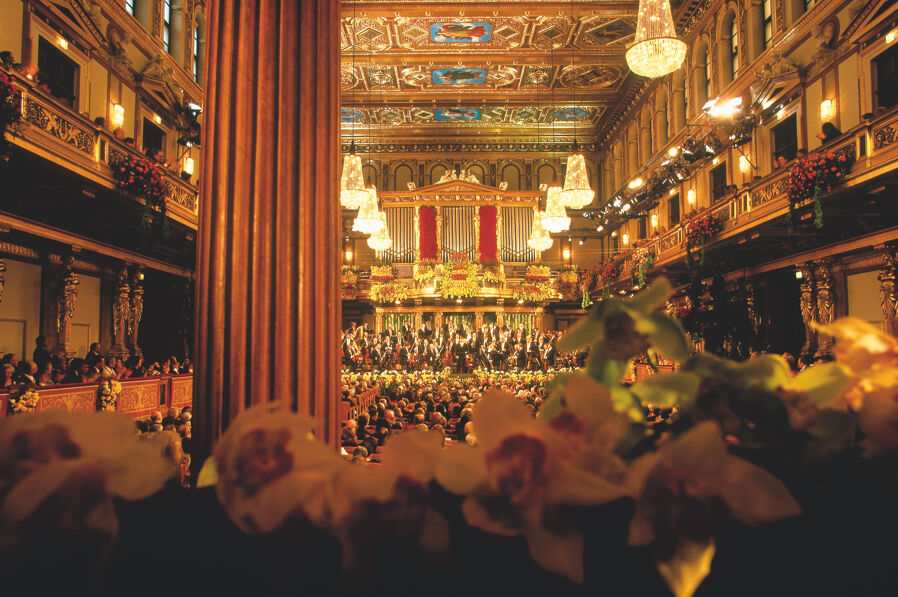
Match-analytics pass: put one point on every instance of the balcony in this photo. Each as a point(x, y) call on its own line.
point(57, 133)
point(754, 216)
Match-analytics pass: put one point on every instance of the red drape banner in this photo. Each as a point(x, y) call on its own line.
point(427, 233)
point(488, 249)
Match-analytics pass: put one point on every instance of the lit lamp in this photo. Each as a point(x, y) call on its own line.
point(368, 220)
point(690, 196)
point(744, 165)
point(380, 240)
point(654, 220)
point(117, 116)
point(188, 166)
point(625, 239)
point(347, 255)
point(566, 254)
point(352, 181)
point(539, 237)
point(555, 219)
point(576, 193)
point(827, 110)
point(656, 50)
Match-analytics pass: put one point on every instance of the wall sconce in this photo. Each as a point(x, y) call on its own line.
point(890, 36)
point(635, 183)
point(798, 275)
point(347, 254)
point(690, 197)
point(63, 43)
point(672, 192)
point(744, 165)
point(654, 220)
point(117, 116)
point(566, 254)
point(827, 110)
point(781, 113)
point(673, 152)
point(716, 160)
point(188, 165)
point(626, 239)
point(614, 234)
point(157, 119)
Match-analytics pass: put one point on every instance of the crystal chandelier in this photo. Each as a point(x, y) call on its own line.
point(539, 237)
point(555, 219)
point(352, 181)
point(368, 220)
point(656, 51)
point(576, 193)
point(380, 240)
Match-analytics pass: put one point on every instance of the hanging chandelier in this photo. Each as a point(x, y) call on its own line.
point(380, 240)
point(577, 193)
point(539, 237)
point(656, 51)
point(352, 181)
point(368, 220)
point(555, 219)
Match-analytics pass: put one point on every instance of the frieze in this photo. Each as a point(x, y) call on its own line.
point(769, 192)
point(882, 137)
point(182, 391)
point(180, 196)
point(586, 147)
point(7, 248)
point(139, 398)
point(71, 400)
point(59, 127)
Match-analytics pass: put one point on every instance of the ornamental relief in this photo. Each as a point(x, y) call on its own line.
point(139, 397)
point(71, 400)
point(59, 127)
point(182, 392)
point(769, 192)
point(882, 137)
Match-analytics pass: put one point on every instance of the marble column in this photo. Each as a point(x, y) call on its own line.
point(808, 308)
point(268, 247)
point(888, 291)
point(826, 304)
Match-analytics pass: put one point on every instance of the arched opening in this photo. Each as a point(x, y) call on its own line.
point(729, 48)
point(679, 105)
point(176, 30)
point(477, 170)
point(402, 175)
point(436, 173)
point(661, 120)
point(545, 174)
point(512, 175)
point(701, 75)
point(370, 172)
point(645, 134)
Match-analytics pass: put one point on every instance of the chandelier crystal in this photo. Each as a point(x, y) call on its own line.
point(656, 51)
point(368, 220)
point(380, 240)
point(539, 237)
point(555, 218)
point(577, 193)
point(352, 181)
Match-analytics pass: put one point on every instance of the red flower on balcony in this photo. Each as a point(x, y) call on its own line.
point(140, 178)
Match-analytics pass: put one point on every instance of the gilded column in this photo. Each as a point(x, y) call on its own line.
point(888, 291)
point(476, 233)
point(808, 308)
point(268, 245)
point(66, 298)
point(121, 314)
point(439, 225)
point(135, 311)
point(826, 304)
point(2, 278)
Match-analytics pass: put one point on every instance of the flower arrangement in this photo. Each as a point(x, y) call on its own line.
point(538, 273)
point(141, 178)
point(567, 284)
point(698, 231)
point(426, 275)
point(10, 108)
point(381, 273)
point(811, 177)
point(640, 262)
point(609, 272)
point(349, 282)
point(427, 234)
point(532, 292)
point(107, 394)
point(389, 292)
point(459, 278)
point(493, 276)
point(24, 401)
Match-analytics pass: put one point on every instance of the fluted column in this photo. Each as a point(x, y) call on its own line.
point(268, 250)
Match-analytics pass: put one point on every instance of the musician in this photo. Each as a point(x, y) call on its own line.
point(549, 355)
point(376, 355)
point(404, 356)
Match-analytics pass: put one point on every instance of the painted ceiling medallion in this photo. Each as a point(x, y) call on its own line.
point(460, 32)
point(459, 76)
point(457, 114)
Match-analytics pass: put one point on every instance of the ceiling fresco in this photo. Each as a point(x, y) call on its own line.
point(486, 68)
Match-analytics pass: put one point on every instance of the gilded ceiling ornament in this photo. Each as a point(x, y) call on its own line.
point(594, 76)
point(348, 78)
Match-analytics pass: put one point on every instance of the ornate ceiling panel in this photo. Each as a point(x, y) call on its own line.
point(484, 115)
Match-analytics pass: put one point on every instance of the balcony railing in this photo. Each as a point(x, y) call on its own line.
point(873, 145)
point(60, 134)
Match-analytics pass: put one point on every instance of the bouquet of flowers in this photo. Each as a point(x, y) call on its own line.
point(698, 231)
point(567, 283)
point(538, 273)
point(609, 272)
point(493, 276)
point(532, 292)
point(426, 275)
point(349, 283)
point(460, 278)
point(107, 394)
point(141, 178)
point(24, 401)
point(640, 263)
point(813, 176)
point(381, 273)
point(389, 292)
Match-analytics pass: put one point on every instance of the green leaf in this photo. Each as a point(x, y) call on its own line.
point(553, 406)
point(606, 371)
point(833, 431)
point(586, 332)
point(665, 335)
point(768, 371)
point(708, 365)
point(823, 383)
point(649, 299)
point(667, 389)
point(626, 403)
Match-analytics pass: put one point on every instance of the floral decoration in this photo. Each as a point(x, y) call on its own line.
point(459, 279)
point(567, 284)
point(24, 401)
point(10, 108)
point(532, 292)
point(698, 231)
point(390, 292)
point(427, 233)
point(349, 283)
point(426, 275)
point(107, 394)
point(142, 178)
point(539, 273)
point(811, 178)
point(488, 241)
point(381, 273)
point(639, 262)
point(493, 276)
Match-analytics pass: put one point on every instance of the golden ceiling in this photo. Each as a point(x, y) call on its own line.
point(482, 69)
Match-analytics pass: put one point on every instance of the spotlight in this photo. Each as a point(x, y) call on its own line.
point(673, 152)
